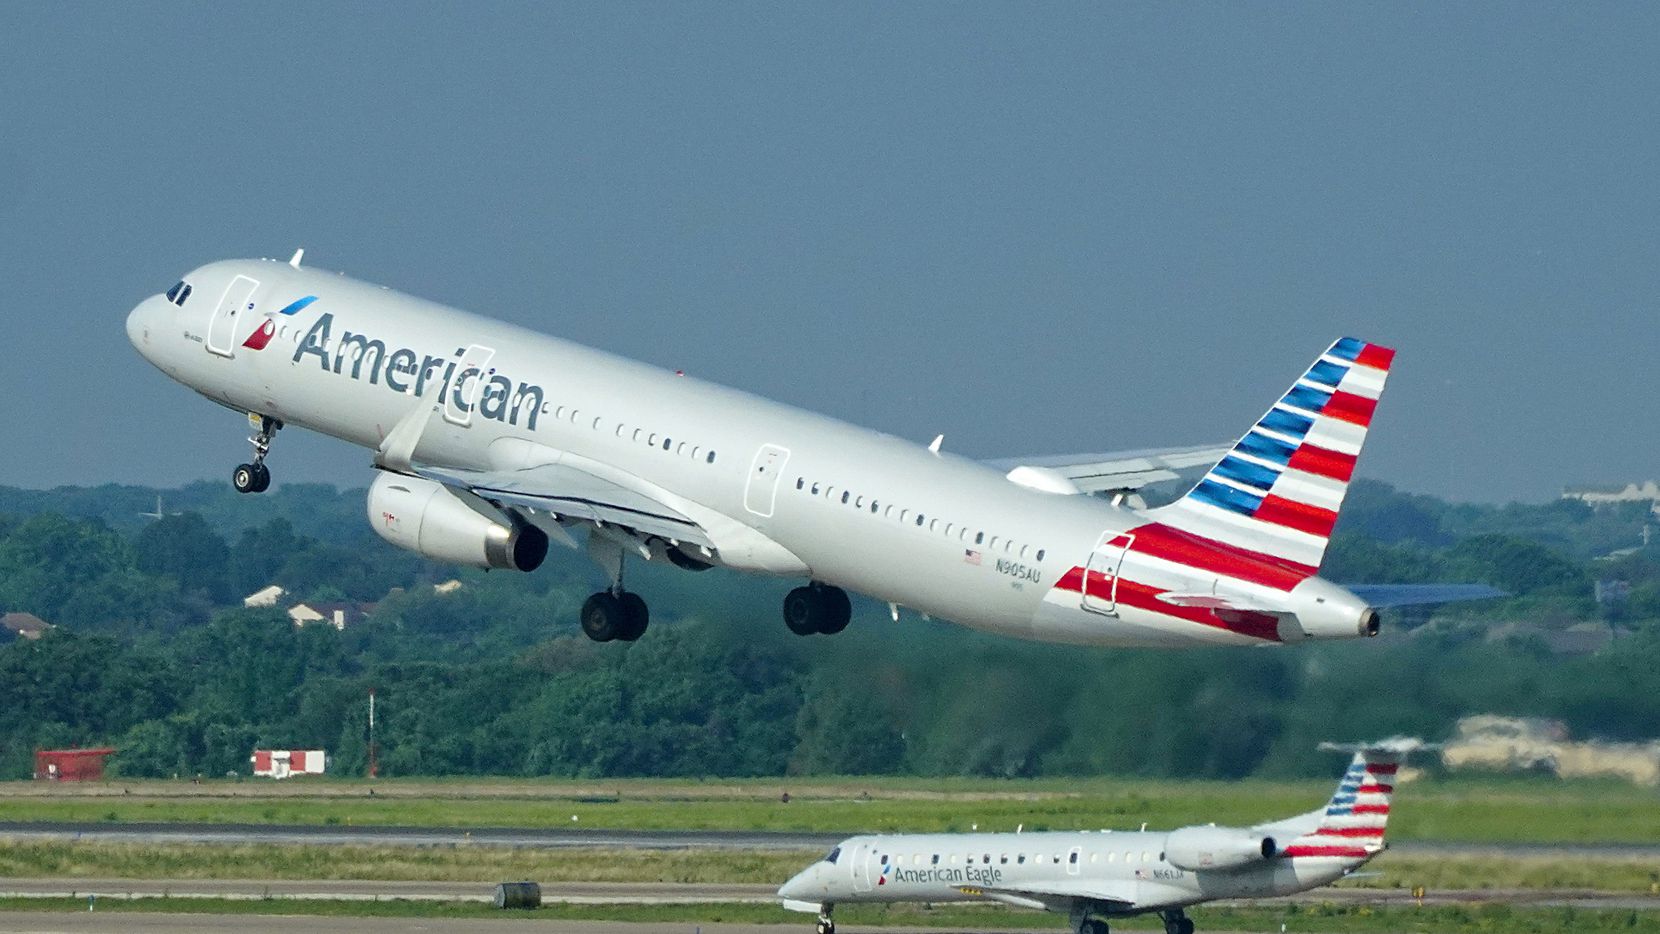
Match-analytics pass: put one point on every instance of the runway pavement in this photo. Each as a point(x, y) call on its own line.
point(627, 839)
point(674, 893)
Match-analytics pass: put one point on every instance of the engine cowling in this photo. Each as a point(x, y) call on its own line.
point(425, 517)
point(1197, 848)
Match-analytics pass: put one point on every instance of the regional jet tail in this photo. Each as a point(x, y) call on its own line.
point(493, 443)
point(1093, 876)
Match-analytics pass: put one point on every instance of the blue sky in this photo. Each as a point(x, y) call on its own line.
point(1036, 228)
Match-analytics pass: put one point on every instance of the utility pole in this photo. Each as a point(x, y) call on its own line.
point(374, 764)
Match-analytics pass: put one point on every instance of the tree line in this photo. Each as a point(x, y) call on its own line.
point(151, 652)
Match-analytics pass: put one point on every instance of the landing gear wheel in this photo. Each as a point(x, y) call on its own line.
point(801, 611)
point(635, 617)
point(825, 925)
point(1175, 922)
point(603, 617)
point(251, 478)
point(1093, 926)
point(817, 608)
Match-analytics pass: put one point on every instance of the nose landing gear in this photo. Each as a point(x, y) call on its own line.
point(255, 477)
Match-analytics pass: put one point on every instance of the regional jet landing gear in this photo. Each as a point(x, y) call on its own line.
point(613, 613)
point(256, 477)
point(1176, 922)
point(1082, 923)
point(817, 608)
point(826, 924)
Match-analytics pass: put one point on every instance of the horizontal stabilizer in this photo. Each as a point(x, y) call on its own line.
point(1119, 470)
point(1390, 595)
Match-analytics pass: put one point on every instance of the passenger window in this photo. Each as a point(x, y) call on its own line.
point(936, 860)
point(711, 457)
point(979, 538)
point(1008, 545)
point(987, 859)
point(1024, 549)
point(1040, 554)
point(815, 489)
point(903, 513)
point(884, 859)
point(800, 482)
point(934, 526)
point(993, 544)
point(845, 496)
point(680, 448)
point(1020, 860)
point(1094, 857)
point(1112, 857)
point(1003, 859)
point(637, 433)
point(651, 439)
point(596, 424)
point(919, 520)
point(1073, 858)
point(619, 429)
point(858, 502)
point(962, 534)
point(666, 443)
point(829, 492)
point(573, 416)
point(559, 412)
point(873, 505)
point(888, 513)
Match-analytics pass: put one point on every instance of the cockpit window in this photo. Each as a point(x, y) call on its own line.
point(173, 293)
point(831, 856)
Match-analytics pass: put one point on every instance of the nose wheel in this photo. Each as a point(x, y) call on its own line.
point(255, 477)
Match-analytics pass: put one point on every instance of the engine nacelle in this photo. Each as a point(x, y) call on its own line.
point(1197, 848)
point(425, 517)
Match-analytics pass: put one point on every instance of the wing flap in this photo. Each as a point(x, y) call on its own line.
point(568, 491)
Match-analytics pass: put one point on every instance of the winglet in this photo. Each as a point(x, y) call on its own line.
point(298, 254)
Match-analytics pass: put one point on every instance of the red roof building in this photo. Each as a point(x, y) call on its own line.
point(70, 765)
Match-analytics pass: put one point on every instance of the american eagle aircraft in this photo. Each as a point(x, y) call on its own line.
point(1094, 876)
point(490, 441)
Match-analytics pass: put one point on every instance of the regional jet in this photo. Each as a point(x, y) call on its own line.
point(491, 441)
point(1110, 874)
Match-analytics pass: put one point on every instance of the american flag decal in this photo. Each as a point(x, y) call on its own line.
point(970, 556)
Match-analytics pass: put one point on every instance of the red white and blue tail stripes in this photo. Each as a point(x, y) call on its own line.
point(1278, 491)
point(1353, 823)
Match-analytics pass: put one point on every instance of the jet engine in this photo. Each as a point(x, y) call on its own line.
point(1197, 848)
point(428, 518)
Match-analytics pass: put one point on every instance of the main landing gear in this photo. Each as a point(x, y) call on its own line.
point(613, 613)
point(256, 477)
point(817, 608)
point(1176, 922)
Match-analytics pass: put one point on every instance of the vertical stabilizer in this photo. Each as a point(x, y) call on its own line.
point(1278, 491)
point(1353, 822)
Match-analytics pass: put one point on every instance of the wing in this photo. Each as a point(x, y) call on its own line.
point(569, 492)
point(1106, 895)
point(1387, 595)
point(1120, 470)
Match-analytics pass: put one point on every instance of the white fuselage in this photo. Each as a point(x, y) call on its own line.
point(856, 508)
point(965, 867)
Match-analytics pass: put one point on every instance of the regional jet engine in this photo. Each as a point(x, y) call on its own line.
point(1196, 848)
point(430, 519)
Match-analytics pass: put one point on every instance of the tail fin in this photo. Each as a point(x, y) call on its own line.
point(1278, 491)
point(1352, 825)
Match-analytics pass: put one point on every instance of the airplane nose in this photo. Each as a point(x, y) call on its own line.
point(800, 887)
point(144, 321)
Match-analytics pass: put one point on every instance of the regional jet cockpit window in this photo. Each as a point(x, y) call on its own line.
point(830, 857)
point(178, 293)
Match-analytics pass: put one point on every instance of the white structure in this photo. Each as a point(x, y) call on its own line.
point(1646, 492)
point(282, 763)
point(267, 597)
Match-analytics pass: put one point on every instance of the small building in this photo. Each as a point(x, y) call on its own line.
point(285, 763)
point(1646, 492)
point(267, 596)
point(70, 765)
point(24, 625)
point(338, 615)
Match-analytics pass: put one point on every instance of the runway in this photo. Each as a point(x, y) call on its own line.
point(628, 839)
point(674, 893)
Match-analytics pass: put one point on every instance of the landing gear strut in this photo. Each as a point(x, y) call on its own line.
point(255, 477)
point(613, 613)
point(817, 608)
point(1083, 923)
point(1176, 922)
point(826, 924)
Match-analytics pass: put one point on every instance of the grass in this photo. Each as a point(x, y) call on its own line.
point(1296, 918)
point(1479, 810)
point(98, 859)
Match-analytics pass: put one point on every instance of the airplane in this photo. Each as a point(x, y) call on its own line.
point(492, 441)
point(159, 513)
point(1092, 876)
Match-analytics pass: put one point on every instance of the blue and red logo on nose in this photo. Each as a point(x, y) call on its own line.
point(268, 328)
